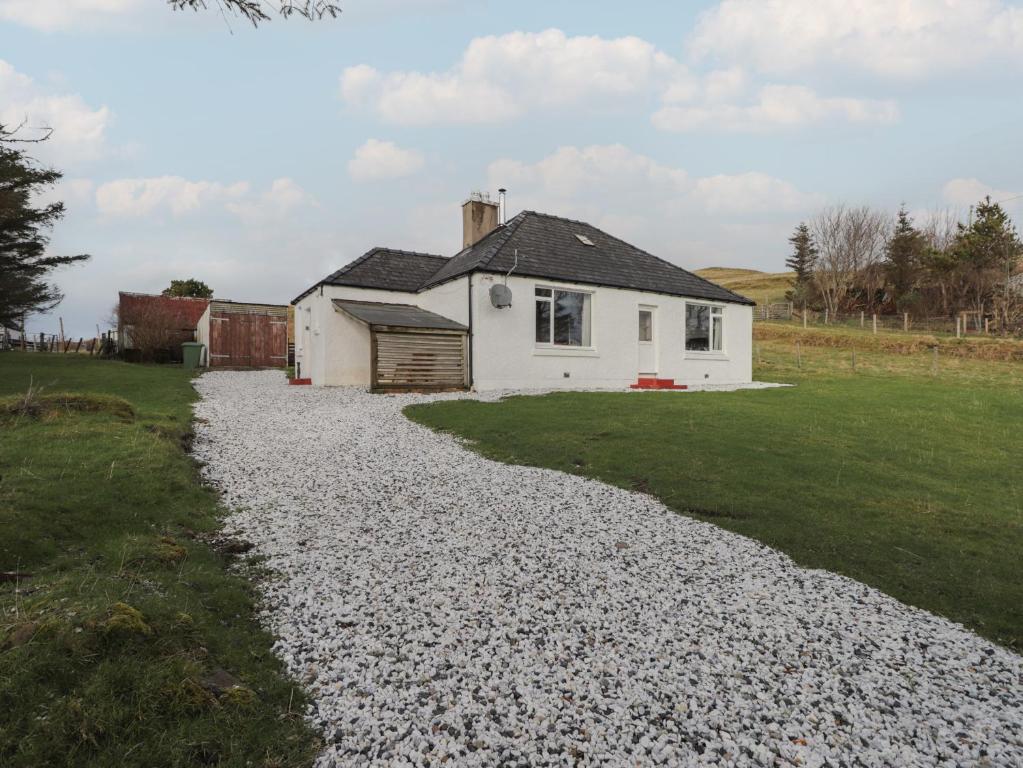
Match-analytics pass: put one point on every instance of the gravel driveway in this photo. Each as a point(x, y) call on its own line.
point(445, 609)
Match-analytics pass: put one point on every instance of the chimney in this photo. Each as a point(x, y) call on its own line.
point(479, 218)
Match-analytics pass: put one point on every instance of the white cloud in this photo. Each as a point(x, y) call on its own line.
point(776, 106)
point(49, 15)
point(504, 76)
point(909, 38)
point(750, 193)
point(161, 195)
point(143, 197)
point(79, 131)
point(282, 199)
point(966, 192)
point(376, 160)
point(693, 220)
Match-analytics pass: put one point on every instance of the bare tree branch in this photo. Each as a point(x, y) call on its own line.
point(258, 11)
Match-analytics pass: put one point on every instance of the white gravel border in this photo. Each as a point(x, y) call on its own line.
point(444, 609)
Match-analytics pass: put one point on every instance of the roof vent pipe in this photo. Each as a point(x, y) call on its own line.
point(501, 217)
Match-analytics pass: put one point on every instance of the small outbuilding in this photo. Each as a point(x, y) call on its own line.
point(409, 347)
point(241, 335)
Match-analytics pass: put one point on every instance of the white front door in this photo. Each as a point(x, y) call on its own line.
point(647, 341)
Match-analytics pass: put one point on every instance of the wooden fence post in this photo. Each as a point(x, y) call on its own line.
point(987, 326)
point(804, 314)
point(959, 321)
point(862, 319)
point(934, 362)
point(905, 322)
point(875, 324)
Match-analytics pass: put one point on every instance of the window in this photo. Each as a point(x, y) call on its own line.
point(646, 325)
point(704, 328)
point(562, 318)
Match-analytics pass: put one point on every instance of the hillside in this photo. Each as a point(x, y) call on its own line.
point(762, 287)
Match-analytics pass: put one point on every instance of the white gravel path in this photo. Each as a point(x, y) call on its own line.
point(444, 609)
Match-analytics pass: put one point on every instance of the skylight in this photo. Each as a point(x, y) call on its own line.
point(585, 240)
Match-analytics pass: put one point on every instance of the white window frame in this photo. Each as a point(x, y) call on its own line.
point(550, 348)
point(713, 354)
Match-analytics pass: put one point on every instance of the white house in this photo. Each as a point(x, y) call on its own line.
point(537, 302)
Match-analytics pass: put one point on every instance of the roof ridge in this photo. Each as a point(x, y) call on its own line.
point(508, 231)
point(404, 252)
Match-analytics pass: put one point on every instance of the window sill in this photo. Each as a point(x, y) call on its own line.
point(705, 356)
point(566, 352)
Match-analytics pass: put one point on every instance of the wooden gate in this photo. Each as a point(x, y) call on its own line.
point(419, 359)
point(248, 336)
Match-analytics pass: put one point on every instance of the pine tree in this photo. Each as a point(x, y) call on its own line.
point(987, 250)
point(905, 255)
point(24, 264)
point(804, 256)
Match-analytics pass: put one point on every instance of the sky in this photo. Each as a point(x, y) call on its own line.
point(260, 160)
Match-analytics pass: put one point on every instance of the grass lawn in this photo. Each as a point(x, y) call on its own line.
point(902, 478)
point(131, 644)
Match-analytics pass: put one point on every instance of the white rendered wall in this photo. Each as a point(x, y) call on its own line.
point(335, 350)
point(505, 355)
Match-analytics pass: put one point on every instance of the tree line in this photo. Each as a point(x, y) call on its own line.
point(860, 259)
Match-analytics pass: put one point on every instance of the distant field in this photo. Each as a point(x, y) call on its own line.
point(762, 287)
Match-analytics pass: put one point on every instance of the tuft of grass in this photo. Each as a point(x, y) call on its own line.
point(34, 404)
point(889, 470)
point(124, 611)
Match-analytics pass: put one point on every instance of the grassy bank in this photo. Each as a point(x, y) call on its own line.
point(128, 643)
point(762, 287)
point(892, 472)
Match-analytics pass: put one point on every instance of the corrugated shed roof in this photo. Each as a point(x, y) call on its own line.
point(400, 315)
point(183, 311)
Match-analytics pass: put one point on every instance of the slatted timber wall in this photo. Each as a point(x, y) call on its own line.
point(424, 360)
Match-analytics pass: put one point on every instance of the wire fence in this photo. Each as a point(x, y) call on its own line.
point(960, 325)
point(104, 344)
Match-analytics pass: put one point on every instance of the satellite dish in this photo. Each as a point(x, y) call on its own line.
point(500, 295)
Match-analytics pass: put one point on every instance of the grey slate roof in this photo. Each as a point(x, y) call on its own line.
point(549, 248)
point(386, 268)
point(402, 315)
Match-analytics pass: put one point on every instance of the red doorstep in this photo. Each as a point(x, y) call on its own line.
point(648, 383)
point(305, 382)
